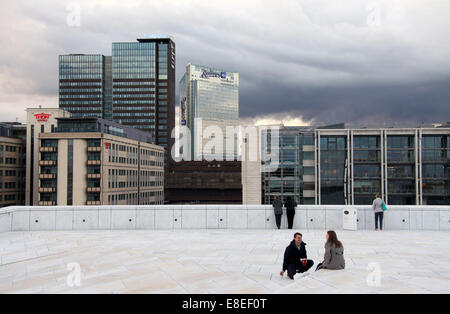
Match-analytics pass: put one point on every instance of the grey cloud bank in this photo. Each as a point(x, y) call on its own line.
point(364, 62)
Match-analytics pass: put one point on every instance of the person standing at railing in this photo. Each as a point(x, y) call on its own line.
point(378, 207)
point(290, 205)
point(278, 210)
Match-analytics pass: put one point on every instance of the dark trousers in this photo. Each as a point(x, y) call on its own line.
point(278, 220)
point(290, 219)
point(298, 267)
point(379, 216)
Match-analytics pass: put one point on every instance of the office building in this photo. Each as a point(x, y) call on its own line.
point(39, 120)
point(85, 85)
point(337, 166)
point(12, 164)
point(143, 79)
point(296, 171)
point(92, 161)
point(134, 87)
point(211, 95)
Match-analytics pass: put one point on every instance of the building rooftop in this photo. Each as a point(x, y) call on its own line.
point(77, 124)
point(219, 261)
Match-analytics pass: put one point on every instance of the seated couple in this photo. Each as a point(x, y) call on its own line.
point(296, 261)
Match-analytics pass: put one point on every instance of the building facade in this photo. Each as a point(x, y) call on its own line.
point(204, 182)
point(349, 166)
point(295, 175)
point(98, 162)
point(143, 78)
point(134, 87)
point(12, 164)
point(251, 169)
point(84, 82)
point(211, 95)
point(39, 120)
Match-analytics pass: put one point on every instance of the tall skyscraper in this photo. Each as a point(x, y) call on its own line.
point(82, 84)
point(143, 79)
point(135, 86)
point(211, 95)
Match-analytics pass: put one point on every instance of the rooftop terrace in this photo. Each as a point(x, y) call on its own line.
point(218, 261)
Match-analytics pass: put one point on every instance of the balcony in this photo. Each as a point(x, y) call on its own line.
point(91, 203)
point(95, 189)
point(94, 176)
point(94, 162)
point(47, 176)
point(94, 149)
point(48, 149)
point(47, 162)
point(47, 190)
point(47, 203)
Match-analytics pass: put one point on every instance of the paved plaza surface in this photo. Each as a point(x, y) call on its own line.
point(219, 261)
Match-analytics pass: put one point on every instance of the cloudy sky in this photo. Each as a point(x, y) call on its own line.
point(381, 62)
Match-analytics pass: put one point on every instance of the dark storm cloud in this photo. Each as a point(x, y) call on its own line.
point(364, 62)
point(373, 106)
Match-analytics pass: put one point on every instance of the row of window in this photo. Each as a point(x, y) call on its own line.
point(8, 173)
point(63, 84)
point(80, 90)
point(8, 161)
point(11, 197)
point(8, 185)
point(9, 148)
point(147, 198)
point(66, 104)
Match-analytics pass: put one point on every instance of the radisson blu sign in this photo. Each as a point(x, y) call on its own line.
point(206, 74)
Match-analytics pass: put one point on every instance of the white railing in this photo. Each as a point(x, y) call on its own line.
point(34, 218)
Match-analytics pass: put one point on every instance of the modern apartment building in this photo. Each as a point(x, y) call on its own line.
point(39, 120)
point(211, 95)
point(134, 87)
point(92, 161)
point(409, 166)
point(12, 164)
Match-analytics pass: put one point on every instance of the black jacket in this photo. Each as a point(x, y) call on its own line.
point(290, 206)
point(292, 255)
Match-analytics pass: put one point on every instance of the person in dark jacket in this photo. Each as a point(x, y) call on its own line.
point(295, 259)
point(290, 205)
point(278, 210)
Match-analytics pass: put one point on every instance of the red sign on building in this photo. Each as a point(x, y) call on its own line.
point(107, 145)
point(42, 117)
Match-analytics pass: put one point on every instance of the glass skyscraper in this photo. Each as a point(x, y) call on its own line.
point(211, 95)
point(135, 86)
point(82, 81)
point(143, 76)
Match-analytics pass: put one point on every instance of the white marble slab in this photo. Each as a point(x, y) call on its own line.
point(218, 261)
